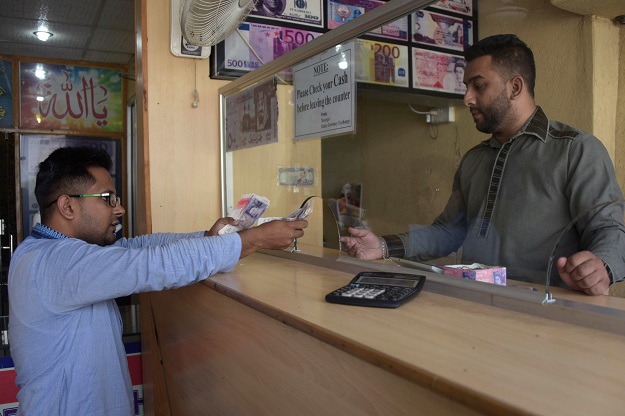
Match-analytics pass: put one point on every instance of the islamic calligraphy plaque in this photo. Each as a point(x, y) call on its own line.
point(62, 97)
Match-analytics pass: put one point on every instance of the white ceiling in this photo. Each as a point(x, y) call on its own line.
point(99, 31)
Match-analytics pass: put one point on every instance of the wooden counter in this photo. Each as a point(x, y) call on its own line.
point(261, 340)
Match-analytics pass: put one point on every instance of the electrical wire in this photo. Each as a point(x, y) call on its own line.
point(432, 126)
point(196, 94)
point(422, 113)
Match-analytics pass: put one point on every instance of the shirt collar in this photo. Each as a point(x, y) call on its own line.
point(537, 125)
point(43, 231)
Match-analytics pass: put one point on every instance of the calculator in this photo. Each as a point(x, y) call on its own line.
point(378, 289)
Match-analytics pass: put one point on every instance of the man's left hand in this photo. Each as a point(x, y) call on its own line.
point(219, 224)
point(585, 272)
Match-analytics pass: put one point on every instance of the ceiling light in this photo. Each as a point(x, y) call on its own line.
point(42, 33)
point(40, 72)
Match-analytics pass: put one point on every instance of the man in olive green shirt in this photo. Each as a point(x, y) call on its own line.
point(515, 193)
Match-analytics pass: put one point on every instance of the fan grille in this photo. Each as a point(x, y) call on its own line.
point(207, 22)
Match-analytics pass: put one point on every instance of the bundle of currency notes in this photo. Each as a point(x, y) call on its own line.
point(299, 214)
point(248, 210)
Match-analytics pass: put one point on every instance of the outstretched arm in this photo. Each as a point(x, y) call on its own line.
point(271, 235)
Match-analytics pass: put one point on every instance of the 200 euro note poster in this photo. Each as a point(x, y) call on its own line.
point(382, 63)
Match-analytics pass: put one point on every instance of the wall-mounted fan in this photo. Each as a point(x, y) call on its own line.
point(196, 25)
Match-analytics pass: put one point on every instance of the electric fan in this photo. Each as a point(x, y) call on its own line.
point(203, 23)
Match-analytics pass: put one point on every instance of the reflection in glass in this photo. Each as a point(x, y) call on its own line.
point(406, 163)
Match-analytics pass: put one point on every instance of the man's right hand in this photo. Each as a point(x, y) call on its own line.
point(271, 235)
point(362, 244)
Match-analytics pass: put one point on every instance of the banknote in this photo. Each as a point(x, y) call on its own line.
point(381, 63)
point(346, 216)
point(266, 43)
point(442, 30)
point(305, 12)
point(342, 11)
point(299, 214)
point(296, 176)
point(247, 211)
point(438, 71)
point(252, 117)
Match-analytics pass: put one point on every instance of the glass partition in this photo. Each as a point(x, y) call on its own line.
point(398, 164)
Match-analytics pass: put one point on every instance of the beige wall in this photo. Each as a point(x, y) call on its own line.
point(256, 170)
point(183, 142)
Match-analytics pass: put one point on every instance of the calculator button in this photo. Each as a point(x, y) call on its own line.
point(361, 293)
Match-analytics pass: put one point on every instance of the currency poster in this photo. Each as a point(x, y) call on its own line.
point(296, 176)
point(303, 12)
point(456, 6)
point(382, 63)
point(438, 71)
point(444, 31)
point(252, 117)
point(342, 11)
point(325, 94)
point(255, 44)
point(67, 97)
point(6, 94)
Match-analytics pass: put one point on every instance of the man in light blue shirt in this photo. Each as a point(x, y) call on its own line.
point(64, 325)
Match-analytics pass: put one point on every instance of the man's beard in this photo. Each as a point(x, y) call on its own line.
point(494, 114)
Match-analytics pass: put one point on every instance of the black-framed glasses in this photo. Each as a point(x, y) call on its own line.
point(110, 197)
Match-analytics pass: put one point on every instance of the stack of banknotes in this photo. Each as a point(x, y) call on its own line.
point(299, 214)
point(251, 207)
point(248, 210)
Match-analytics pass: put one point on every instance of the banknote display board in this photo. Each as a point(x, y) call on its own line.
point(420, 53)
point(252, 117)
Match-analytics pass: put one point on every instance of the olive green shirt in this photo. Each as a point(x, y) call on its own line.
point(511, 202)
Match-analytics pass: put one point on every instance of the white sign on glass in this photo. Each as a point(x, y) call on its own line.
point(325, 94)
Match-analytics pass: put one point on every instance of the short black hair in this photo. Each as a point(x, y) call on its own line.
point(66, 171)
point(510, 55)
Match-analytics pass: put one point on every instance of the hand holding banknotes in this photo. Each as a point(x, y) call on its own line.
point(219, 224)
point(277, 233)
point(272, 235)
point(362, 243)
point(248, 210)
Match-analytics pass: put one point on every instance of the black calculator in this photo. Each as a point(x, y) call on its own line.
point(378, 289)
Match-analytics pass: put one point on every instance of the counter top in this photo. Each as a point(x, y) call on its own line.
point(493, 360)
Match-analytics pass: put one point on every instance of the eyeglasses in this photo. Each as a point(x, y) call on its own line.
point(109, 197)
